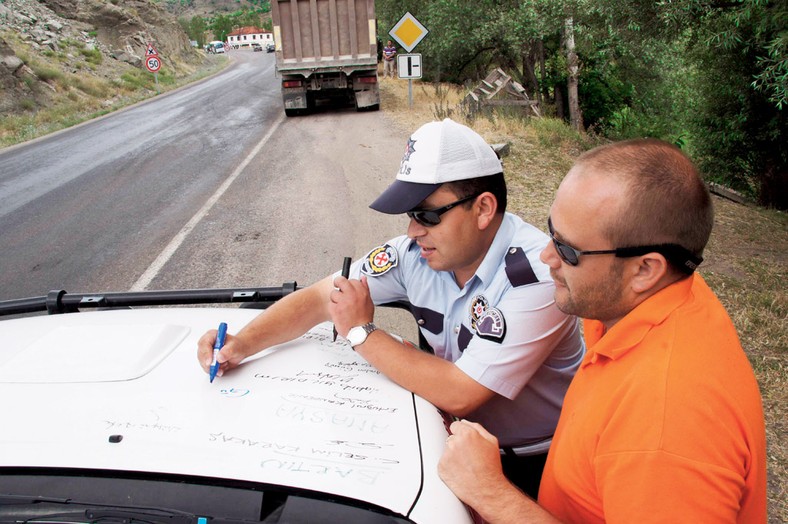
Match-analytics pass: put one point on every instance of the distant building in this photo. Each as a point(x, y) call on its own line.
point(246, 36)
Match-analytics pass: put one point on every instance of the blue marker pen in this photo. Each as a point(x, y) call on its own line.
point(217, 346)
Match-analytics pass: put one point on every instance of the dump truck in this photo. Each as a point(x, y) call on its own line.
point(326, 50)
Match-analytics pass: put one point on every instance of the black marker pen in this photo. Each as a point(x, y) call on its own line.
point(345, 273)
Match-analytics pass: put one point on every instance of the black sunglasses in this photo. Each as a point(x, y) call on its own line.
point(432, 217)
point(674, 253)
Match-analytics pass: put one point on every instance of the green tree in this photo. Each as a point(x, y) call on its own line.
point(742, 77)
point(222, 26)
point(709, 75)
point(194, 28)
point(468, 39)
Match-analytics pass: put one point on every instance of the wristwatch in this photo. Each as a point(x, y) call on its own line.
point(358, 335)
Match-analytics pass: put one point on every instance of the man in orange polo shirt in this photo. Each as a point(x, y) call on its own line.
point(663, 422)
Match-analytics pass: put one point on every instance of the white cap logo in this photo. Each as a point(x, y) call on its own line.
point(410, 148)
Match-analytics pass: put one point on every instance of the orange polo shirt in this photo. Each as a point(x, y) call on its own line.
point(663, 422)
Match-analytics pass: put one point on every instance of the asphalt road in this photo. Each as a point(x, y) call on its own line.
point(209, 186)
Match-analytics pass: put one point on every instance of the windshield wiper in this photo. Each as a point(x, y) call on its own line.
point(32, 508)
point(140, 515)
point(28, 499)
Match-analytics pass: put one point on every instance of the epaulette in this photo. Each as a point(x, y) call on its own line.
point(518, 268)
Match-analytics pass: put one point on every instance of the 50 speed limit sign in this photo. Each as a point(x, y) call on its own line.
point(153, 63)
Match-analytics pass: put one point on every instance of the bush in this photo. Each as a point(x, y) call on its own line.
point(92, 56)
point(136, 79)
point(90, 86)
point(27, 104)
point(47, 74)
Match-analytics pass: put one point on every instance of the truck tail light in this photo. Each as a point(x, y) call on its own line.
point(368, 79)
point(292, 83)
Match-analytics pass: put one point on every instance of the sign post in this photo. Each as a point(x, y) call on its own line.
point(409, 66)
point(408, 32)
point(153, 64)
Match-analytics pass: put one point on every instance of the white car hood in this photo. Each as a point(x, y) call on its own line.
point(122, 390)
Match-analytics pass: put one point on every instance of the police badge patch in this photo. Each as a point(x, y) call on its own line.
point(486, 321)
point(379, 261)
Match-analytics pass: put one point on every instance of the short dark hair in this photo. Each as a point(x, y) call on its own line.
point(666, 198)
point(495, 184)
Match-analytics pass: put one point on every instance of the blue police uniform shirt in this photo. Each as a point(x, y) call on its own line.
point(503, 328)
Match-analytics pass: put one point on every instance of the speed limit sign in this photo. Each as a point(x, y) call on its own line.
point(153, 63)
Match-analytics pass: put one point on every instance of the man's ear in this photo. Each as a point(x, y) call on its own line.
point(487, 206)
point(650, 273)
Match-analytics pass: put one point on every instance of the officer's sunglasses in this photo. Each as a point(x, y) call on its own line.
point(432, 217)
point(674, 253)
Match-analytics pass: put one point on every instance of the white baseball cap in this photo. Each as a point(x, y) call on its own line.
point(436, 153)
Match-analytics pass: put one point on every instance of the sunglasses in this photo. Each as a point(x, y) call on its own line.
point(674, 253)
point(432, 217)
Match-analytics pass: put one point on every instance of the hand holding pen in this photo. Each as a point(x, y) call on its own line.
point(345, 273)
point(217, 346)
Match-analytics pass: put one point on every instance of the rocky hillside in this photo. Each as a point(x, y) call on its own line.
point(101, 38)
point(209, 8)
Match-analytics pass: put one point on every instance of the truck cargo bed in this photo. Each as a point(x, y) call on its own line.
point(317, 33)
point(326, 48)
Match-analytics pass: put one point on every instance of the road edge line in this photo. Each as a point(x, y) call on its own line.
point(153, 270)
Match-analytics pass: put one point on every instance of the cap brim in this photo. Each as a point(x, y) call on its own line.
point(401, 197)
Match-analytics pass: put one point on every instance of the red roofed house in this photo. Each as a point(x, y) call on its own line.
point(246, 36)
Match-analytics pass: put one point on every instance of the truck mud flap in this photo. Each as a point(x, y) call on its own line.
point(297, 100)
point(368, 99)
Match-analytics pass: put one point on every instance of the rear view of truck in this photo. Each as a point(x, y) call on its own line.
point(326, 49)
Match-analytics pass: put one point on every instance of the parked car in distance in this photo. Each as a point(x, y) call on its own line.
point(257, 47)
point(216, 47)
point(109, 417)
point(270, 47)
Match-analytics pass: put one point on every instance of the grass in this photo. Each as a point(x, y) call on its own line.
point(46, 73)
point(745, 259)
point(92, 56)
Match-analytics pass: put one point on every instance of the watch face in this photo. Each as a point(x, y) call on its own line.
point(356, 336)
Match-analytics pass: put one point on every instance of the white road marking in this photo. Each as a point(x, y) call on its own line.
point(147, 277)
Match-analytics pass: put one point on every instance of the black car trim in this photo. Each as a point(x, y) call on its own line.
point(60, 301)
point(246, 485)
point(421, 456)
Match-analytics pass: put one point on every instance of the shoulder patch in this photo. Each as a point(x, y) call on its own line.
point(518, 268)
point(487, 321)
point(379, 261)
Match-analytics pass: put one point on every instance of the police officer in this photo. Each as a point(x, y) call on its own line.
point(503, 352)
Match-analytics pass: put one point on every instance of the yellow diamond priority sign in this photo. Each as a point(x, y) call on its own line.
point(408, 32)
